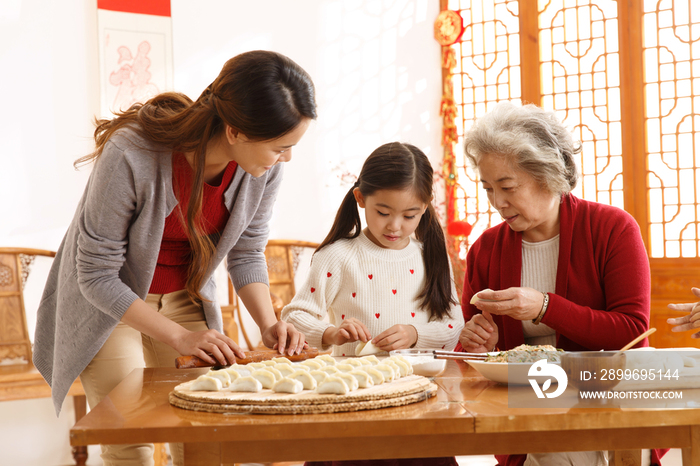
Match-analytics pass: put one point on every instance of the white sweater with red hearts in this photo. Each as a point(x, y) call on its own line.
point(377, 286)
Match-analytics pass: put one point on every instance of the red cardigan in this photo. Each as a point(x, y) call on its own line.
point(603, 285)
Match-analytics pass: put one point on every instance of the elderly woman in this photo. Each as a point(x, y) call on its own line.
point(559, 270)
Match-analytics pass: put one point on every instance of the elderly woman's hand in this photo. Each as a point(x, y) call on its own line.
point(480, 334)
point(516, 302)
point(689, 322)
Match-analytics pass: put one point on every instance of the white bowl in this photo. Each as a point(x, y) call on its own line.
point(514, 373)
point(423, 361)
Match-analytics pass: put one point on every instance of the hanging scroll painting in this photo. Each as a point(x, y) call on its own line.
point(136, 55)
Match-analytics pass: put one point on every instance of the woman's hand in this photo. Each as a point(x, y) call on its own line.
point(517, 302)
point(350, 330)
point(480, 334)
point(209, 345)
point(689, 322)
point(396, 337)
point(283, 335)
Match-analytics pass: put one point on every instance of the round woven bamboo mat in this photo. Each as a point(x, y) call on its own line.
point(400, 392)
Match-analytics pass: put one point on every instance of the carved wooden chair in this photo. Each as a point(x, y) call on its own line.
point(283, 257)
point(19, 379)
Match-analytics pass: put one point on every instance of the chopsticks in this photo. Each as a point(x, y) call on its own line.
point(441, 354)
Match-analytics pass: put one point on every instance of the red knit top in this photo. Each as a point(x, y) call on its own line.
point(175, 252)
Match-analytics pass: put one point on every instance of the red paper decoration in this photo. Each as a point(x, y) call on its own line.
point(448, 27)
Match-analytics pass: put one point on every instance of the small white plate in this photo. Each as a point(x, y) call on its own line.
point(514, 373)
point(423, 361)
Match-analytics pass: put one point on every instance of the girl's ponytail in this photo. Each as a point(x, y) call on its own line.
point(436, 296)
point(347, 223)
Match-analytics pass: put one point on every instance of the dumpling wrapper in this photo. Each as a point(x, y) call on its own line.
point(246, 384)
point(333, 385)
point(326, 358)
point(287, 385)
point(364, 380)
point(221, 375)
point(320, 376)
point(349, 380)
point(475, 298)
point(265, 377)
point(206, 383)
point(307, 380)
point(366, 348)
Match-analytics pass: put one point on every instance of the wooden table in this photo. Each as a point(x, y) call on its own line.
point(469, 416)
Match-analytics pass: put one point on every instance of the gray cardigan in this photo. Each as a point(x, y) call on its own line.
point(108, 257)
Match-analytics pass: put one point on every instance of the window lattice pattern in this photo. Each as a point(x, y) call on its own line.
point(579, 65)
point(487, 71)
point(672, 88)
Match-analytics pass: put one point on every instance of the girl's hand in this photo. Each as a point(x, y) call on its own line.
point(283, 335)
point(396, 337)
point(516, 302)
point(350, 330)
point(209, 345)
point(689, 322)
point(480, 334)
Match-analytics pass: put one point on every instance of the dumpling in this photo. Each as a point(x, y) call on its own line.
point(221, 375)
point(299, 367)
point(265, 377)
point(284, 369)
point(246, 384)
point(349, 380)
point(307, 380)
point(363, 349)
point(255, 365)
point(239, 368)
point(377, 376)
point(364, 380)
point(233, 374)
point(475, 298)
point(405, 368)
point(394, 366)
point(278, 375)
point(387, 371)
point(281, 360)
point(269, 362)
point(330, 370)
point(371, 359)
point(327, 358)
point(313, 363)
point(206, 383)
point(344, 367)
point(353, 362)
point(287, 385)
point(320, 376)
point(334, 385)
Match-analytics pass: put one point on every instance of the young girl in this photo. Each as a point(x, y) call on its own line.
point(177, 186)
point(379, 283)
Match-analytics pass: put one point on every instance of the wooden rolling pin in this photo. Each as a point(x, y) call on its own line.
point(190, 362)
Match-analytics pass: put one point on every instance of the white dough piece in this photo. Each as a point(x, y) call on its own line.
point(246, 384)
point(327, 358)
point(342, 367)
point(387, 371)
point(475, 298)
point(313, 363)
point(364, 349)
point(349, 380)
point(221, 375)
point(330, 370)
point(334, 385)
point(688, 362)
point(320, 376)
point(377, 376)
point(307, 380)
point(265, 377)
point(372, 359)
point(364, 380)
point(206, 383)
point(287, 385)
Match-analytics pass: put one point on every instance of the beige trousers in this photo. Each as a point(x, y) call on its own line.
point(127, 349)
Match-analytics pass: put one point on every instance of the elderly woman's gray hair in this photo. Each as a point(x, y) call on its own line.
point(533, 139)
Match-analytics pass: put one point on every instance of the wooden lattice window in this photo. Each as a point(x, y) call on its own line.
point(625, 77)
